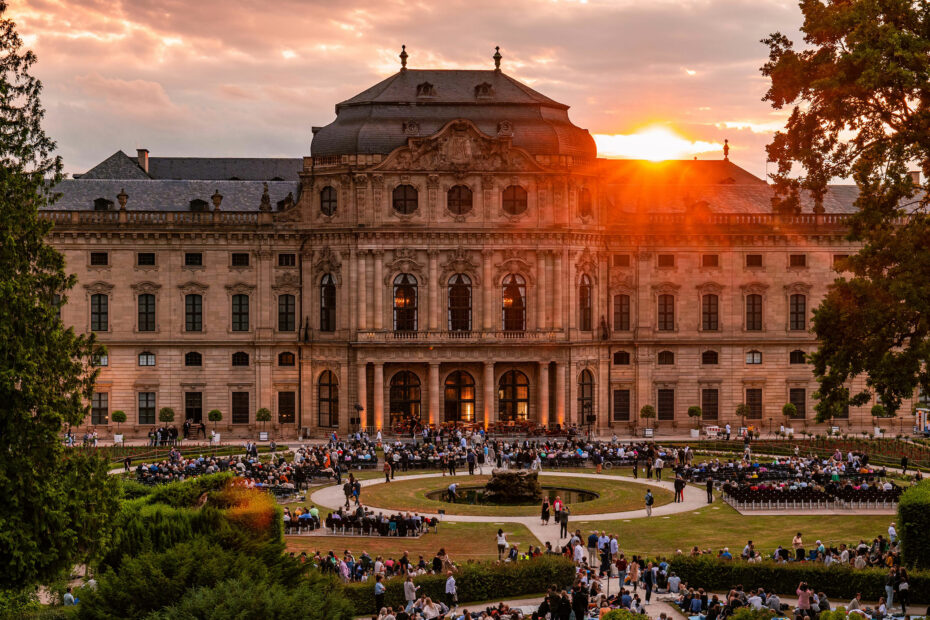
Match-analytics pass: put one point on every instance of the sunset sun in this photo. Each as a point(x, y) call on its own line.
point(652, 143)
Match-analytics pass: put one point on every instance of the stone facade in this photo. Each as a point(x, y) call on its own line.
point(356, 308)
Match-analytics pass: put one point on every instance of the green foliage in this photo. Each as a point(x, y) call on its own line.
point(118, 416)
point(879, 411)
point(215, 415)
point(186, 493)
point(263, 415)
point(623, 614)
point(133, 489)
point(840, 582)
point(45, 379)
point(857, 92)
point(18, 603)
point(166, 415)
point(474, 582)
point(695, 412)
point(742, 410)
point(748, 613)
point(789, 410)
point(913, 525)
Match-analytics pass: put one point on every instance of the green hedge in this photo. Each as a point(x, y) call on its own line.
point(838, 582)
point(914, 525)
point(474, 582)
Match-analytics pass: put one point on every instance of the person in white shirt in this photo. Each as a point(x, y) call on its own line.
point(451, 594)
point(755, 601)
point(578, 555)
point(892, 532)
point(673, 582)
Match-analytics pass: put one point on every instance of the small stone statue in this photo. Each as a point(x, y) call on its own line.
point(726, 150)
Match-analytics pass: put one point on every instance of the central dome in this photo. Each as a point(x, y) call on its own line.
point(417, 103)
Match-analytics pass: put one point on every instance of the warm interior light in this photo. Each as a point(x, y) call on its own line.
point(653, 143)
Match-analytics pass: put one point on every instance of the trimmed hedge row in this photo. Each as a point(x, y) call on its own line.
point(840, 583)
point(474, 582)
point(914, 525)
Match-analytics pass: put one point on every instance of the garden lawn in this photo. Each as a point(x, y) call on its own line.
point(462, 541)
point(719, 526)
point(615, 496)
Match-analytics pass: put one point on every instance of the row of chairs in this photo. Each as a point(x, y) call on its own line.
point(355, 528)
point(776, 499)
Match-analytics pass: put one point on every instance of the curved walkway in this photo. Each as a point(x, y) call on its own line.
point(333, 497)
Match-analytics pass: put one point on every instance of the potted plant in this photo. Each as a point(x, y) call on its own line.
point(263, 415)
point(166, 415)
point(695, 413)
point(119, 416)
point(789, 410)
point(215, 415)
point(742, 411)
point(648, 412)
point(879, 412)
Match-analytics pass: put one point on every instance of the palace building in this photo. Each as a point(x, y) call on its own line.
point(452, 250)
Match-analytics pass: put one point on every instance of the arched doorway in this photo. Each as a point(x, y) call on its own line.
point(404, 401)
point(460, 397)
point(513, 397)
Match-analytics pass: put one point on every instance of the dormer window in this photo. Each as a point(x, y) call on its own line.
point(198, 205)
point(102, 204)
point(484, 90)
point(426, 90)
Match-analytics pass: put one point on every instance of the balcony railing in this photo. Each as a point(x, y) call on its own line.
point(157, 218)
point(387, 335)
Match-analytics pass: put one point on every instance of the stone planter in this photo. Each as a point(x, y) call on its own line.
point(695, 433)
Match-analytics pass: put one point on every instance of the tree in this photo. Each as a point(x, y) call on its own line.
point(860, 101)
point(215, 415)
point(46, 381)
point(648, 412)
point(118, 416)
point(695, 413)
point(789, 410)
point(166, 415)
point(742, 411)
point(263, 415)
point(880, 412)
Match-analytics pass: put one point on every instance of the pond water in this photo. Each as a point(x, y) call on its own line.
point(475, 495)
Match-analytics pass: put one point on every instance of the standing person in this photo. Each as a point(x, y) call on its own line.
point(501, 544)
point(410, 593)
point(727, 431)
point(387, 470)
point(451, 594)
point(471, 462)
point(544, 516)
point(710, 490)
point(379, 593)
point(635, 465)
point(798, 545)
point(557, 508)
point(903, 463)
point(904, 590)
point(658, 465)
point(891, 583)
point(892, 533)
point(634, 574)
point(650, 500)
point(563, 522)
point(679, 489)
point(648, 581)
point(452, 464)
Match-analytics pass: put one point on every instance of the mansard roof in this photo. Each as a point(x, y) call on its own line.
point(119, 165)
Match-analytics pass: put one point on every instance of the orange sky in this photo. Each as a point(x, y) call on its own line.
point(245, 78)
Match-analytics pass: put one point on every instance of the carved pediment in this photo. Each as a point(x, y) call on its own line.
point(286, 281)
point(460, 146)
point(145, 287)
point(460, 262)
point(240, 288)
point(99, 287)
point(192, 287)
point(666, 288)
point(515, 262)
point(754, 288)
point(328, 262)
point(798, 287)
point(587, 263)
point(710, 287)
point(622, 282)
point(404, 261)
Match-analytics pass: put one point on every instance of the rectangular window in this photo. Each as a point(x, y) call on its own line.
point(753, 313)
point(287, 260)
point(287, 313)
point(145, 259)
point(240, 313)
point(193, 259)
point(621, 405)
point(287, 407)
point(99, 313)
point(665, 409)
point(753, 260)
point(99, 258)
point(798, 398)
point(240, 259)
point(100, 408)
point(147, 408)
point(146, 312)
point(710, 260)
point(666, 313)
point(621, 313)
point(797, 312)
point(100, 360)
point(240, 407)
point(710, 403)
point(754, 400)
point(193, 313)
point(621, 260)
point(841, 262)
point(193, 406)
point(797, 260)
point(666, 260)
point(709, 313)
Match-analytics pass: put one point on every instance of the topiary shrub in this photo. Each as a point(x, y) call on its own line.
point(623, 614)
point(913, 525)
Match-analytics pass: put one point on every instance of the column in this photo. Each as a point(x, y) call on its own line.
point(344, 397)
point(433, 290)
point(488, 291)
point(307, 392)
point(571, 282)
point(378, 387)
point(362, 392)
point(560, 392)
point(602, 401)
point(370, 290)
point(362, 271)
point(544, 393)
point(351, 303)
point(574, 415)
point(378, 289)
point(559, 285)
point(542, 298)
point(601, 304)
point(489, 417)
point(434, 393)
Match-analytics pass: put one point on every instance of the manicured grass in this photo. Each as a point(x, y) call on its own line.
point(615, 496)
point(719, 526)
point(462, 541)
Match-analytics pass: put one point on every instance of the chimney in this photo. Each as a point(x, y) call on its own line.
point(915, 176)
point(143, 156)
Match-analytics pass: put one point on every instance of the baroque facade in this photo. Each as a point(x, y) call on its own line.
point(453, 250)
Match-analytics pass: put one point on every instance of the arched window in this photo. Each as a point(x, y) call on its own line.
point(240, 358)
point(460, 397)
point(193, 358)
point(753, 312)
point(585, 208)
point(666, 358)
point(405, 199)
point(584, 303)
point(286, 358)
point(328, 400)
point(754, 357)
point(513, 396)
point(710, 357)
point(146, 358)
point(287, 313)
point(102, 204)
point(459, 200)
point(797, 357)
point(586, 396)
point(146, 312)
point(404, 397)
point(621, 358)
point(240, 313)
point(666, 313)
point(197, 204)
point(193, 313)
point(99, 312)
point(514, 200)
point(709, 313)
point(621, 313)
point(328, 201)
point(405, 303)
point(327, 304)
point(797, 309)
point(459, 303)
point(514, 303)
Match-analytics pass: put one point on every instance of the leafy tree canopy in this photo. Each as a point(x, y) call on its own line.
point(859, 96)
